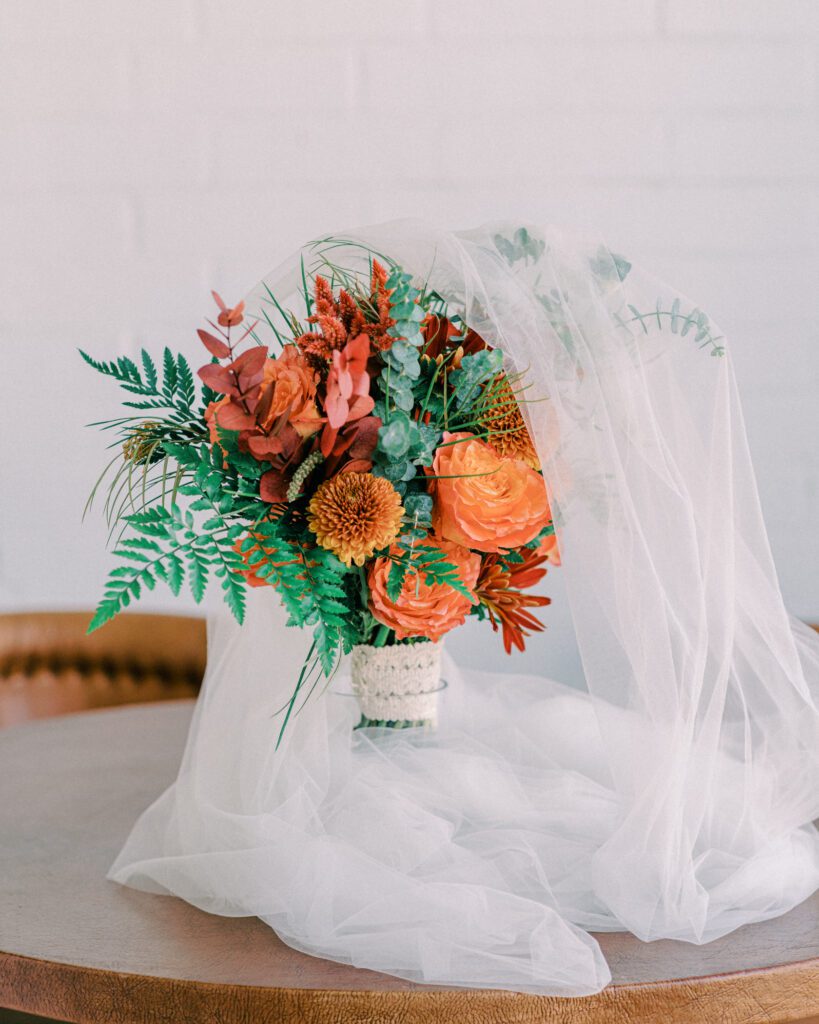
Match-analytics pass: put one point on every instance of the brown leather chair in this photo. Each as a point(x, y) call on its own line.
point(48, 666)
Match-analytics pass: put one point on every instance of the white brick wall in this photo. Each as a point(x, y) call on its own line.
point(152, 149)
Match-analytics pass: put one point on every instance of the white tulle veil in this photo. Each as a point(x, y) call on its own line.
point(672, 796)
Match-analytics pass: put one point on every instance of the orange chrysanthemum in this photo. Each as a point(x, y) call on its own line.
point(355, 514)
point(499, 591)
point(503, 423)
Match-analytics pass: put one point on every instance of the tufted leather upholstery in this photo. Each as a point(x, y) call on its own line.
point(48, 666)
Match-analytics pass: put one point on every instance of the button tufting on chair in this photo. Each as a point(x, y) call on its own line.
point(48, 666)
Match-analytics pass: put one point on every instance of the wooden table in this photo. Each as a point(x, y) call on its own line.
point(77, 947)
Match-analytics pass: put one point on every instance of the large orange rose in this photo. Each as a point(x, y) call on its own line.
point(269, 551)
point(423, 609)
point(549, 549)
point(484, 501)
point(289, 385)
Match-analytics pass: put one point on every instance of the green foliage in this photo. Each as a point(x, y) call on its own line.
point(521, 246)
point(555, 304)
point(395, 579)
point(402, 368)
point(547, 531)
point(418, 507)
point(396, 436)
point(428, 562)
point(179, 543)
point(475, 370)
point(679, 323)
point(400, 439)
point(241, 462)
point(167, 544)
point(316, 588)
point(175, 390)
point(141, 473)
point(609, 266)
point(405, 309)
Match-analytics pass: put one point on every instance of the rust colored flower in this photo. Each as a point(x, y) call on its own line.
point(503, 423)
point(355, 514)
point(499, 591)
point(442, 337)
point(380, 306)
point(483, 501)
point(339, 321)
point(288, 389)
point(423, 609)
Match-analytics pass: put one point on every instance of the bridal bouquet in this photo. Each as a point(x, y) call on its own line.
point(371, 465)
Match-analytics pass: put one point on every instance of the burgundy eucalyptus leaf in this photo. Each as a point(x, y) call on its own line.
point(263, 447)
point(273, 486)
point(250, 367)
point(214, 345)
point(234, 417)
point(219, 379)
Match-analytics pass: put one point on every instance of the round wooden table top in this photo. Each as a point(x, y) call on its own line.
point(80, 948)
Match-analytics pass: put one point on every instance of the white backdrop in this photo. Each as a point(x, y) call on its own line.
point(153, 149)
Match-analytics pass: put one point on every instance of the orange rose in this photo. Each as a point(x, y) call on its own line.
point(250, 573)
point(423, 609)
point(210, 417)
point(289, 385)
point(484, 501)
point(549, 549)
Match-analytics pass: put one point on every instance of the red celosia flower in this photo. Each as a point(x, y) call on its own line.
point(341, 320)
point(380, 305)
point(499, 591)
point(338, 321)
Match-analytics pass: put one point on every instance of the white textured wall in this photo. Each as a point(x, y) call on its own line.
point(152, 149)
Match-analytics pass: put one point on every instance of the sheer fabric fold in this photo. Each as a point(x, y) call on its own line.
point(672, 796)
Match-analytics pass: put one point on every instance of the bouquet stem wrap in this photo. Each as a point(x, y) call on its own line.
point(671, 796)
point(398, 684)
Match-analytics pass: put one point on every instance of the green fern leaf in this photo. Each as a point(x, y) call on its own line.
point(150, 370)
point(169, 373)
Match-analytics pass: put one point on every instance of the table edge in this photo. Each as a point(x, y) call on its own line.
point(90, 994)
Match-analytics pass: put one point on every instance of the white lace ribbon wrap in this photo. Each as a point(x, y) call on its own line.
point(671, 793)
point(397, 683)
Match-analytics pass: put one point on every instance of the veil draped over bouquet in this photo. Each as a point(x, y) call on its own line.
point(672, 796)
